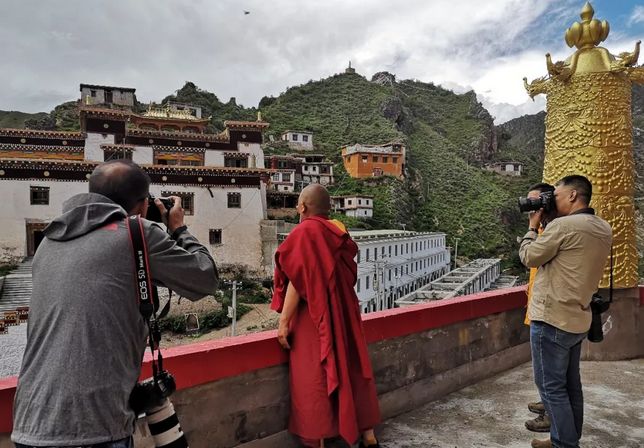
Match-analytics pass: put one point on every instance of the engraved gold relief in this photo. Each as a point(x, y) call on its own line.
point(589, 131)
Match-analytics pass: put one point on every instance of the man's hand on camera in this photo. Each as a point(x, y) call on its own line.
point(535, 219)
point(173, 218)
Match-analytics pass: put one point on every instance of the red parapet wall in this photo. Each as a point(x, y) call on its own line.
point(209, 361)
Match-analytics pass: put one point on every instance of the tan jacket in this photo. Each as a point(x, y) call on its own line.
point(571, 255)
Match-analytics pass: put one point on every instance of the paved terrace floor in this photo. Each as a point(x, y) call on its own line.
point(492, 413)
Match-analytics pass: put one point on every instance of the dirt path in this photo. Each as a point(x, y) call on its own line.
point(260, 318)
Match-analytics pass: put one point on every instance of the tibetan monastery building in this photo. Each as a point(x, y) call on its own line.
point(220, 177)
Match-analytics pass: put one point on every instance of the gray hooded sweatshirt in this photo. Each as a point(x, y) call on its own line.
point(86, 336)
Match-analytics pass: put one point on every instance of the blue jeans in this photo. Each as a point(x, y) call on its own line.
point(123, 443)
point(555, 360)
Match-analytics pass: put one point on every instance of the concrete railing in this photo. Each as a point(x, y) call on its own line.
point(234, 391)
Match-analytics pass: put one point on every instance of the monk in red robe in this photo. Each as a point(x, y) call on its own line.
point(332, 386)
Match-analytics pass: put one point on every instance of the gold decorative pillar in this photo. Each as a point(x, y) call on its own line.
point(589, 131)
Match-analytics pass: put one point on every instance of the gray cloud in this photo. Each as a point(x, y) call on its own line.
point(157, 45)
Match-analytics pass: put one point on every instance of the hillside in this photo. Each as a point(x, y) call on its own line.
point(211, 106)
point(64, 117)
point(449, 138)
point(15, 119)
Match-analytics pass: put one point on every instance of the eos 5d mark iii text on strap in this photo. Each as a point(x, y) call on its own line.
point(150, 397)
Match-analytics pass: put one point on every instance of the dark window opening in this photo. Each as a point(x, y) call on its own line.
point(233, 162)
point(234, 200)
point(39, 195)
point(215, 236)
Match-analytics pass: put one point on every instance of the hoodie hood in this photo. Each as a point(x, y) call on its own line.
point(82, 214)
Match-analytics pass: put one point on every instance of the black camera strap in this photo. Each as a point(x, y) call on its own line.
point(146, 291)
point(610, 282)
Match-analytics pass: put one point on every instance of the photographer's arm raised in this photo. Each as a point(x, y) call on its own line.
point(537, 251)
point(185, 265)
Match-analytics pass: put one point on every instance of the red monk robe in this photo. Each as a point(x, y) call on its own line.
point(331, 381)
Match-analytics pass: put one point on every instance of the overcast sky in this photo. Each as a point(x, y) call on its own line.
point(49, 47)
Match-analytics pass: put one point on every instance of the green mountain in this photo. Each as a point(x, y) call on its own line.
point(64, 117)
point(211, 106)
point(449, 139)
point(16, 120)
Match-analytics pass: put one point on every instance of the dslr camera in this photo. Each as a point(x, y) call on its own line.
point(152, 392)
point(150, 397)
point(153, 213)
point(545, 201)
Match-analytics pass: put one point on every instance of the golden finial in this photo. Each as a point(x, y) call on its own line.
point(587, 12)
point(590, 32)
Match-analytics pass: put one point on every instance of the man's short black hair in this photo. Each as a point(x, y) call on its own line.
point(122, 181)
point(581, 184)
point(542, 187)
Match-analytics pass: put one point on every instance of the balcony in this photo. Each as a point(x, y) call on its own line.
point(453, 372)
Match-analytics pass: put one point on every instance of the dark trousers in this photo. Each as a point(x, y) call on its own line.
point(555, 360)
point(123, 443)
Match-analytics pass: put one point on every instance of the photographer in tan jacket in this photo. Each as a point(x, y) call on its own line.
point(571, 255)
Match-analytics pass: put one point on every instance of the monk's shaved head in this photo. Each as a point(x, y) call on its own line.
point(315, 199)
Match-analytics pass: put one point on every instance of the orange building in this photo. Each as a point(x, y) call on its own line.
point(374, 160)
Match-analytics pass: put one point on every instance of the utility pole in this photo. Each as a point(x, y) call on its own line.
point(232, 332)
point(232, 310)
point(456, 252)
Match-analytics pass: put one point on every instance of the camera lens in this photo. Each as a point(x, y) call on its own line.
point(530, 204)
point(164, 426)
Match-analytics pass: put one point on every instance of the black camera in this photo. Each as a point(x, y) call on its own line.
point(153, 213)
point(598, 305)
point(152, 392)
point(150, 397)
point(545, 201)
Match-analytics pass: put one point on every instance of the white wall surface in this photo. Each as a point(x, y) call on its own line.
point(253, 149)
point(412, 266)
point(214, 157)
point(143, 155)
point(241, 243)
point(93, 144)
point(17, 210)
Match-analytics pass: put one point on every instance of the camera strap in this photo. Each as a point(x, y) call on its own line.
point(146, 291)
point(610, 282)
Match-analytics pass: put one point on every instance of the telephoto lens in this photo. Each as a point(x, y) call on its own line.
point(165, 427)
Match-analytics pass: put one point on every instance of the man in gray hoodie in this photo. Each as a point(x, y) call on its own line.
point(86, 336)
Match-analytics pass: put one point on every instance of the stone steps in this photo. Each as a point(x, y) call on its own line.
point(17, 287)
